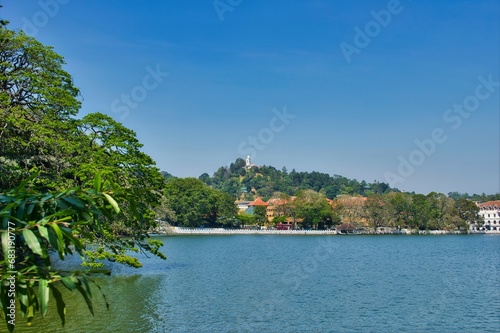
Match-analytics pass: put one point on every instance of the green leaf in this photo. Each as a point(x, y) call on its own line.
point(22, 296)
point(68, 283)
point(30, 314)
point(30, 208)
point(87, 298)
point(78, 245)
point(20, 211)
point(46, 197)
point(43, 295)
point(112, 202)
point(86, 285)
point(102, 294)
point(97, 182)
point(63, 204)
point(75, 202)
point(44, 232)
point(56, 242)
point(32, 242)
point(61, 306)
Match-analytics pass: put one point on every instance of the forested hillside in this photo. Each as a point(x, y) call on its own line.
point(265, 180)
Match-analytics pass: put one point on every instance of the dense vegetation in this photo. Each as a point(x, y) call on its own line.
point(474, 197)
point(434, 211)
point(309, 200)
point(191, 203)
point(360, 203)
point(65, 183)
point(265, 180)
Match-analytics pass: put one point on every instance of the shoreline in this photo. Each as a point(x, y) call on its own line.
point(221, 231)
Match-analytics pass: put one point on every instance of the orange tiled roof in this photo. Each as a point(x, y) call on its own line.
point(258, 202)
point(495, 203)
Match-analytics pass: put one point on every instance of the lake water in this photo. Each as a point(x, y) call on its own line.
point(266, 283)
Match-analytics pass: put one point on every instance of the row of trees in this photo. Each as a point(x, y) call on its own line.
point(192, 203)
point(384, 206)
point(474, 197)
point(434, 211)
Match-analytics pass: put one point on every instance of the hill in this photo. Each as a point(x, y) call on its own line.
point(264, 181)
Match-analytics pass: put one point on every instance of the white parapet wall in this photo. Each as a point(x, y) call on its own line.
point(221, 231)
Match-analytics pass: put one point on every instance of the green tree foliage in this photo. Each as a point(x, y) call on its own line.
point(37, 103)
point(434, 211)
point(114, 151)
point(350, 208)
point(44, 150)
point(314, 210)
point(265, 180)
point(246, 219)
point(375, 211)
point(238, 167)
point(442, 213)
point(38, 132)
point(468, 211)
point(474, 197)
point(196, 204)
point(260, 215)
point(34, 223)
point(399, 209)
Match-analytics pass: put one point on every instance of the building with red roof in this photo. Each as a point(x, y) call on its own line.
point(258, 202)
point(490, 212)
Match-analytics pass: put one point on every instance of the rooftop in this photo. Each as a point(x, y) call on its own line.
point(258, 202)
point(494, 203)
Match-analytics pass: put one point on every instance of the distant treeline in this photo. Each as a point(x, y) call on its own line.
point(209, 201)
point(474, 197)
point(265, 180)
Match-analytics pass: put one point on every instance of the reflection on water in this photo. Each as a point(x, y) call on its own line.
point(251, 283)
point(128, 298)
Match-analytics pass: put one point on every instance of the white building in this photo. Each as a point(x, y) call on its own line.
point(490, 212)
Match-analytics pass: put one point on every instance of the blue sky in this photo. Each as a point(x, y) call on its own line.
point(399, 91)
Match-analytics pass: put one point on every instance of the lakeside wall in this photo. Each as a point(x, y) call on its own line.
point(220, 231)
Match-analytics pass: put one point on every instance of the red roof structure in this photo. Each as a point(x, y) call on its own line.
point(258, 202)
point(346, 227)
point(490, 204)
